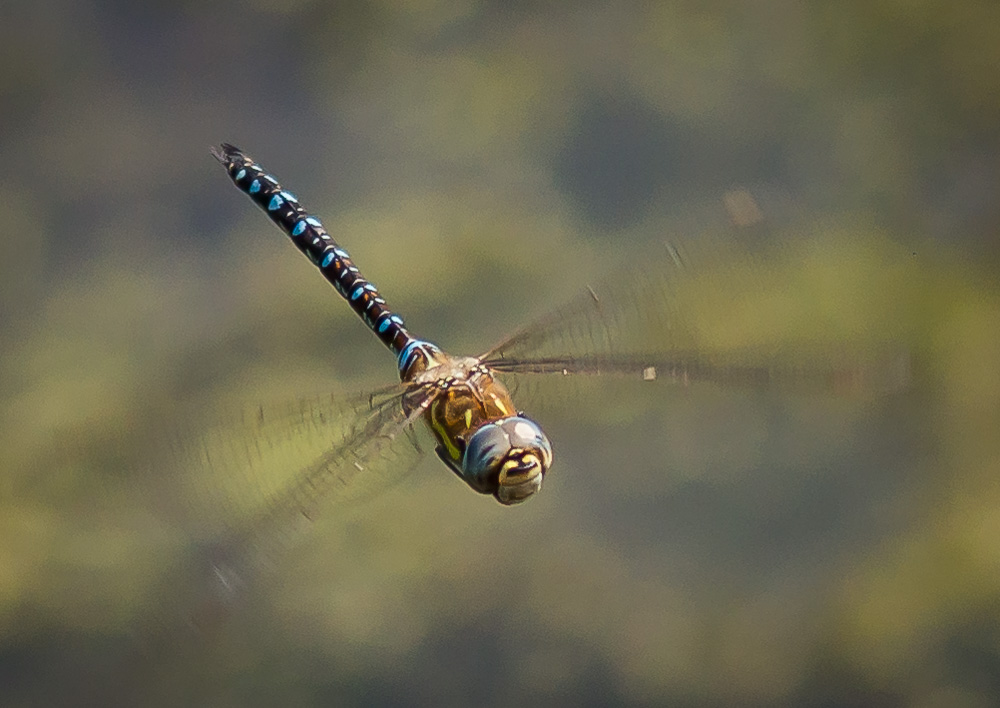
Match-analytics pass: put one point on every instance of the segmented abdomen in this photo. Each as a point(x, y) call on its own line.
point(309, 236)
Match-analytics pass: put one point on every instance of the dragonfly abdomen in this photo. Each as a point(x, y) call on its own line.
point(309, 236)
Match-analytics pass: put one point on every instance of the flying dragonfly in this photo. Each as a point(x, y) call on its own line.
point(654, 325)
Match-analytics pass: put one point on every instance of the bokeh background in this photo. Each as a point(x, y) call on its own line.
point(482, 160)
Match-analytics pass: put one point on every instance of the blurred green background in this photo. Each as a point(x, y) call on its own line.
point(481, 160)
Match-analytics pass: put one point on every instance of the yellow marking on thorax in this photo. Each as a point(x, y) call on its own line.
point(442, 433)
point(500, 405)
point(468, 418)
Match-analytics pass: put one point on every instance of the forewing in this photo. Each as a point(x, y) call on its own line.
point(713, 309)
point(235, 498)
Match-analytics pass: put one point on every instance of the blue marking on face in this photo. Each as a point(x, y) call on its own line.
point(356, 294)
point(241, 174)
point(299, 228)
point(327, 259)
point(276, 203)
point(254, 187)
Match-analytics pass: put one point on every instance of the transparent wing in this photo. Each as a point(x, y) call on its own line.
point(711, 309)
point(238, 495)
point(227, 476)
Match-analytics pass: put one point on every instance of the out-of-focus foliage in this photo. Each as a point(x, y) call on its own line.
point(482, 161)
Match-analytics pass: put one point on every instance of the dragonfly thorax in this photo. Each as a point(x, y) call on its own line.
point(481, 436)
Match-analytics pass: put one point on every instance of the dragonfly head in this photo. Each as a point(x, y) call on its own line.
point(508, 459)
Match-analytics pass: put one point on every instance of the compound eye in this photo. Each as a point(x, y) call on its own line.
point(525, 434)
point(483, 457)
point(508, 459)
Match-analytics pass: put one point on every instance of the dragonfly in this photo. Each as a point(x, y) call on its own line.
point(647, 325)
